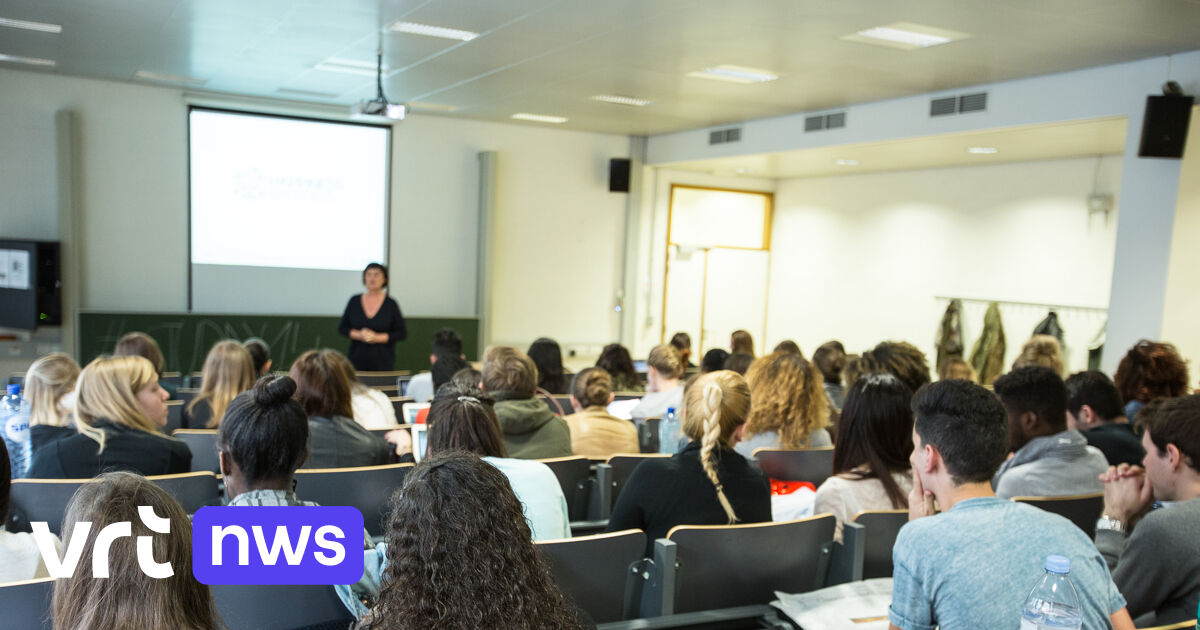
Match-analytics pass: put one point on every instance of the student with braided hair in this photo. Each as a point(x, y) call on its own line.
point(706, 483)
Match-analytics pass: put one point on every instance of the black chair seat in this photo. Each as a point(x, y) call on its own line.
point(192, 490)
point(622, 468)
point(594, 571)
point(290, 607)
point(1083, 510)
point(26, 605)
point(880, 529)
point(572, 474)
point(813, 465)
point(203, 445)
point(368, 488)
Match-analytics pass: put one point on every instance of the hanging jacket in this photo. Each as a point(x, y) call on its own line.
point(949, 335)
point(987, 356)
point(1050, 326)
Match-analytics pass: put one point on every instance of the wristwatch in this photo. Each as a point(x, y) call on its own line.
point(1111, 524)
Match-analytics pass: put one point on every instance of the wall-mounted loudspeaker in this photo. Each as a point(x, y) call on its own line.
point(618, 175)
point(1165, 126)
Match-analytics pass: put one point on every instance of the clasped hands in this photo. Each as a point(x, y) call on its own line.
point(1127, 493)
point(366, 335)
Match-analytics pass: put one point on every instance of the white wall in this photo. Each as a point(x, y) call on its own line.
point(555, 209)
point(1181, 316)
point(860, 258)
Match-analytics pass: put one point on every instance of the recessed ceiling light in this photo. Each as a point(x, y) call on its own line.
point(349, 66)
point(539, 118)
point(741, 171)
point(32, 61)
point(432, 31)
point(982, 150)
point(622, 100)
point(31, 26)
point(308, 93)
point(431, 107)
point(905, 36)
point(846, 162)
point(168, 78)
point(735, 74)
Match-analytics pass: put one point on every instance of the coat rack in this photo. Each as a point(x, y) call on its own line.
point(1054, 307)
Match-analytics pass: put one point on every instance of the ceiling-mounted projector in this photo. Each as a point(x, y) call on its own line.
point(379, 106)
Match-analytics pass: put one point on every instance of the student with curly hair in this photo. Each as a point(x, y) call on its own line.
point(1043, 350)
point(788, 406)
point(460, 555)
point(1150, 370)
point(706, 483)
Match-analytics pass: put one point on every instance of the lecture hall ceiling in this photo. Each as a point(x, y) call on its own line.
point(551, 56)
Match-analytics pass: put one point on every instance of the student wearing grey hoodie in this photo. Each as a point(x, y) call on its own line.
point(1049, 460)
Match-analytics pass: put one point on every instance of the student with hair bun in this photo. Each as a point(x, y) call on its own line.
point(261, 443)
point(664, 390)
point(594, 431)
point(706, 483)
point(1043, 350)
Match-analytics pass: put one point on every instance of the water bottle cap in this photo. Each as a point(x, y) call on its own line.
point(670, 410)
point(1058, 564)
point(14, 389)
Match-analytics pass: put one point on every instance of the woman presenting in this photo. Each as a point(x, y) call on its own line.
point(373, 323)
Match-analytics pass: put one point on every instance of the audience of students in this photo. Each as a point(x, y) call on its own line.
point(713, 360)
point(1043, 350)
point(664, 390)
point(738, 362)
point(446, 343)
point(530, 429)
point(228, 371)
point(372, 409)
point(1156, 566)
point(594, 431)
point(139, 344)
point(1150, 370)
point(955, 367)
point(830, 359)
point(1094, 409)
point(260, 352)
point(615, 360)
point(788, 406)
point(1049, 460)
point(974, 564)
point(899, 358)
point(705, 483)
point(129, 598)
point(119, 413)
point(682, 342)
point(870, 458)
point(335, 440)
point(50, 389)
point(740, 342)
point(19, 555)
point(261, 443)
point(465, 420)
point(547, 357)
point(481, 570)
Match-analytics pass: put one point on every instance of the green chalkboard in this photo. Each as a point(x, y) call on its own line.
point(185, 338)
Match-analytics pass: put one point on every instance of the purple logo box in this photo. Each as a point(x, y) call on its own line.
point(277, 545)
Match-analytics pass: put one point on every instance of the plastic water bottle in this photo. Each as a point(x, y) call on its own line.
point(14, 417)
point(1053, 602)
point(668, 432)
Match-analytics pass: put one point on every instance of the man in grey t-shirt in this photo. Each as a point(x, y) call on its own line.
point(973, 565)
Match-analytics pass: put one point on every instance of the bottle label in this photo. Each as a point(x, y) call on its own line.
point(16, 428)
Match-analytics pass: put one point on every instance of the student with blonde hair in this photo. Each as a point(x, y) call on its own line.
point(706, 483)
point(1042, 350)
point(664, 391)
point(956, 368)
point(119, 411)
point(49, 388)
point(228, 371)
point(129, 598)
point(788, 405)
point(594, 431)
point(372, 408)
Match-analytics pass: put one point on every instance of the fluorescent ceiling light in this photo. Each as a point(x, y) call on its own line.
point(309, 93)
point(431, 107)
point(32, 61)
point(168, 78)
point(846, 162)
point(622, 100)
point(539, 118)
point(735, 74)
point(349, 66)
point(31, 26)
point(905, 36)
point(982, 150)
point(432, 31)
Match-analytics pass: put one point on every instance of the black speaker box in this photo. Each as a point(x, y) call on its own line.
point(618, 175)
point(1165, 126)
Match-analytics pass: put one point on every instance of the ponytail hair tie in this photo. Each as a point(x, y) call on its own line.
point(468, 399)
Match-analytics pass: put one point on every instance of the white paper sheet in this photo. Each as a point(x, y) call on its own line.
point(853, 606)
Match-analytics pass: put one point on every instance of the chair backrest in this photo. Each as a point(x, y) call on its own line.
point(647, 431)
point(17, 378)
point(381, 379)
point(367, 488)
point(203, 445)
point(1083, 510)
point(193, 490)
point(879, 532)
point(402, 383)
point(1182, 625)
point(44, 499)
point(553, 403)
point(626, 395)
point(595, 571)
point(195, 379)
point(290, 607)
point(622, 467)
point(565, 403)
point(171, 378)
point(398, 403)
point(382, 431)
point(572, 474)
point(813, 465)
point(721, 566)
point(186, 394)
point(26, 604)
point(174, 417)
